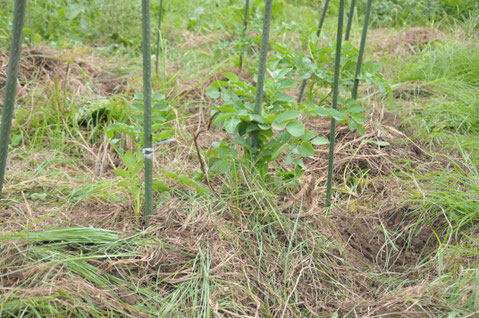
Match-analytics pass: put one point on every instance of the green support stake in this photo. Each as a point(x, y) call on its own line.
point(337, 68)
point(350, 20)
point(245, 27)
point(318, 33)
point(354, 94)
point(11, 85)
point(158, 37)
point(148, 150)
point(262, 65)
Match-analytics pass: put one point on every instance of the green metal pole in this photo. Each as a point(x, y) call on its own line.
point(147, 151)
point(11, 85)
point(245, 27)
point(158, 37)
point(262, 65)
point(361, 49)
point(337, 68)
point(318, 33)
point(350, 20)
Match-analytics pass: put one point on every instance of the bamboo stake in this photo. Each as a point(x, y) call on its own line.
point(245, 27)
point(350, 20)
point(262, 65)
point(354, 93)
point(337, 68)
point(147, 151)
point(11, 85)
point(158, 37)
point(318, 33)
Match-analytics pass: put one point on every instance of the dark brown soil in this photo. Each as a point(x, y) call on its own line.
point(386, 239)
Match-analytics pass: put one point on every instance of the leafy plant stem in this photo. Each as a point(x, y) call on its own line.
point(245, 27)
point(361, 50)
point(350, 20)
point(337, 67)
point(318, 33)
point(262, 65)
point(147, 151)
point(11, 85)
point(158, 37)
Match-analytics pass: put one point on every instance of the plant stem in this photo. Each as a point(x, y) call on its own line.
point(262, 66)
point(318, 33)
point(361, 50)
point(148, 151)
point(11, 85)
point(245, 27)
point(158, 37)
point(337, 68)
point(350, 20)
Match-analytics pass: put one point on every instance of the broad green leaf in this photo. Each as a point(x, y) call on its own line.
point(295, 128)
point(231, 124)
point(278, 126)
point(320, 141)
point(213, 92)
point(305, 149)
point(287, 115)
point(287, 83)
point(335, 114)
point(231, 76)
point(282, 97)
point(160, 186)
point(129, 160)
point(122, 173)
point(278, 151)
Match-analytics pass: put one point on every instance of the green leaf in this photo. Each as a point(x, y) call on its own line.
point(122, 173)
point(287, 115)
point(278, 126)
point(320, 141)
point(129, 160)
point(379, 143)
point(231, 76)
point(231, 124)
point(160, 186)
point(282, 97)
point(287, 83)
point(335, 114)
point(213, 92)
point(295, 128)
point(305, 149)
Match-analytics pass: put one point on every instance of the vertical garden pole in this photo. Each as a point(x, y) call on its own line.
point(337, 68)
point(361, 50)
point(147, 151)
point(262, 65)
point(350, 20)
point(318, 33)
point(158, 37)
point(245, 27)
point(11, 85)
